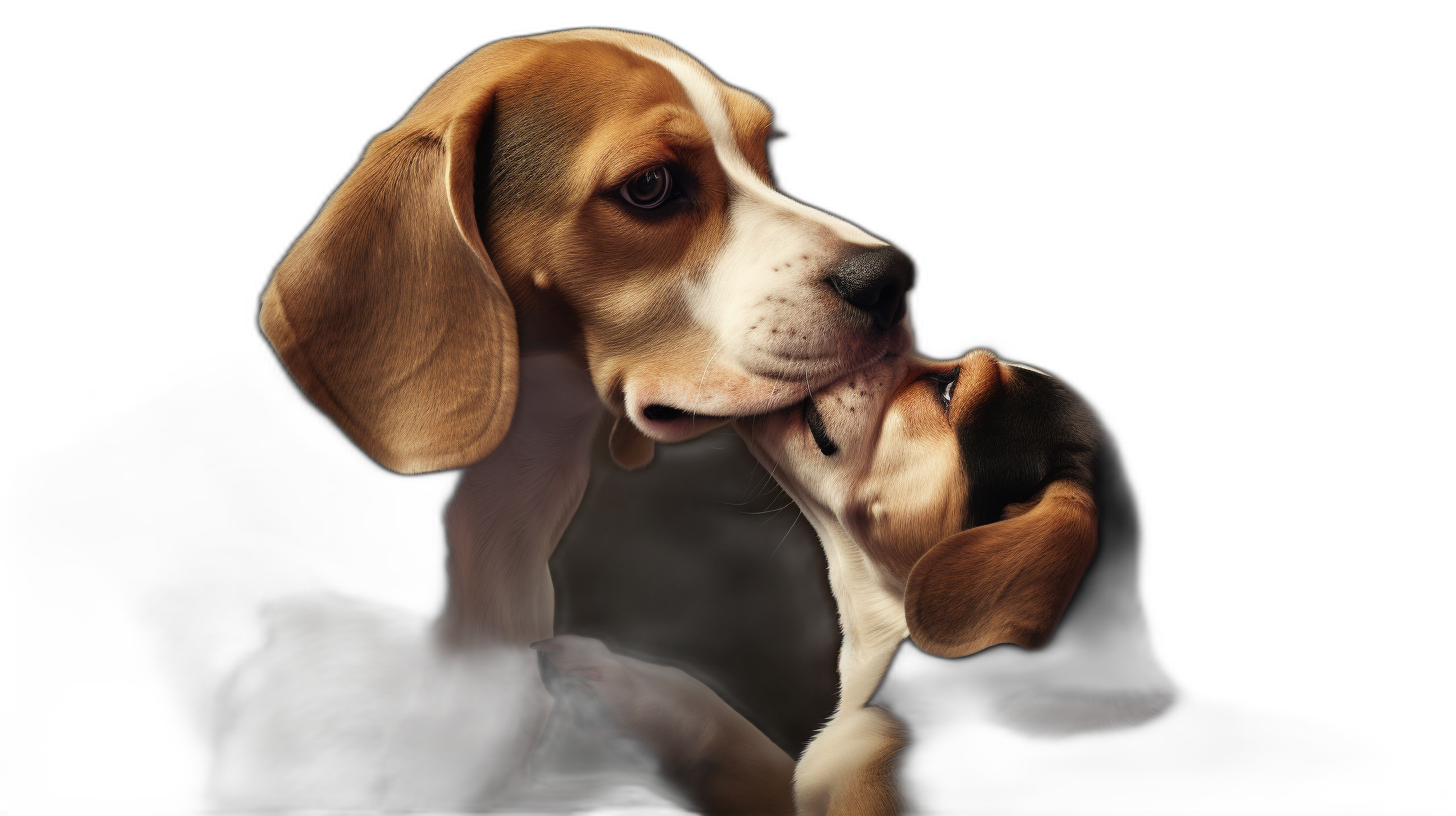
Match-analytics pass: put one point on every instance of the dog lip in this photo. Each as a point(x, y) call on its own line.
point(665, 421)
point(663, 413)
point(668, 423)
point(659, 413)
point(798, 405)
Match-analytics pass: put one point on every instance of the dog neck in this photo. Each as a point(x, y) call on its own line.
point(482, 705)
point(511, 508)
point(871, 614)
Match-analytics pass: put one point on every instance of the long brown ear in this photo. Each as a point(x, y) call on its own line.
point(387, 311)
point(1005, 582)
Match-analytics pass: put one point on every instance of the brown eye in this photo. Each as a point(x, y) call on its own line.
point(945, 384)
point(649, 189)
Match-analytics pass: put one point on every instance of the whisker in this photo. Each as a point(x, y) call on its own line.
point(768, 479)
point(781, 509)
point(771, 510)
point(702, 378)
point(786, 534)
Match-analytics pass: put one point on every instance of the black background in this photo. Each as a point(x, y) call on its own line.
point(1102, 198)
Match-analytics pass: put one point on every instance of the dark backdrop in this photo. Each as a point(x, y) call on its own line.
point(1089, 197)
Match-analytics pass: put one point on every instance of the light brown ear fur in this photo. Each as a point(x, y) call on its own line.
point(387, 311)
point(1006, 582)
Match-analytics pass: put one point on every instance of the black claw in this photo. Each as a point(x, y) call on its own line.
point(586, 704)
point(632, 752)
point(549, 675)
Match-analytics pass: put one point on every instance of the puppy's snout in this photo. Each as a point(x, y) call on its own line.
point(875, 282)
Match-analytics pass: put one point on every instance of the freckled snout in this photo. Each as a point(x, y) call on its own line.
point(875, 282)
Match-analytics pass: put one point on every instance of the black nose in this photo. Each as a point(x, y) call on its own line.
point(875, 282)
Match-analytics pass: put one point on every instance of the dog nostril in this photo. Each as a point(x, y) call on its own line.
point(875, 282)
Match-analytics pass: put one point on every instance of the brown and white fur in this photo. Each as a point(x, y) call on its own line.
point(487, 279)
point(962, 505)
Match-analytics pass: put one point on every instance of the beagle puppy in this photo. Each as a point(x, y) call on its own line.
point(562, 223)
point(963, 505)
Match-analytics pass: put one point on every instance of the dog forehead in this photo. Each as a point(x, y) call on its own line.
point(919, 474)
point(735, 119)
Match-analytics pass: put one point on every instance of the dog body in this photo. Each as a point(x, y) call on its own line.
point(961, 505)
point(563, 222)
point(983, 548)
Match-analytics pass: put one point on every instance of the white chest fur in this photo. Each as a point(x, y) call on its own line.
point(872, 620)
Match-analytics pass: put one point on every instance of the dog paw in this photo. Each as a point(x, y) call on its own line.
point(662, 706)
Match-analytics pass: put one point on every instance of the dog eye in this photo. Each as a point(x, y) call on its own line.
point(648, 190)
point(946, 385)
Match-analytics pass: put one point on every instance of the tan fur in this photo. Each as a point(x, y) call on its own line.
point(387, 311)
point(754, 128)
point(618, 276)
point(914, 471)
point(1007, 582)
point(877, 787)
point(982, 375)
point(917, 433)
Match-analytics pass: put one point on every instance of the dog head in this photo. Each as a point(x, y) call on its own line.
point(594, 192)
point(968, 485)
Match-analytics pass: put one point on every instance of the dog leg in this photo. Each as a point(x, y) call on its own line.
point(718, 758)
point(849, 768)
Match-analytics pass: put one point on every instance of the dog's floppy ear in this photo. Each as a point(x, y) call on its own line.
point(1005, 582)
point(387, 311)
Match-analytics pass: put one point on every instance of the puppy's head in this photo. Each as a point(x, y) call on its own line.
point(593, 192)
point(968, 486)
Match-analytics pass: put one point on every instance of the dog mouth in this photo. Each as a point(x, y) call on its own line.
point(671, 423)
point(664, 413)
point(663, 417)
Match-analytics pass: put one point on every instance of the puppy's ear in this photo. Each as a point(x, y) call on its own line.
point(630, 448)
point(1005, 582)
point(387, 311)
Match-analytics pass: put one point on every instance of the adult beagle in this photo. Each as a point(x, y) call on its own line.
point(963, 505)
point(562, 222)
